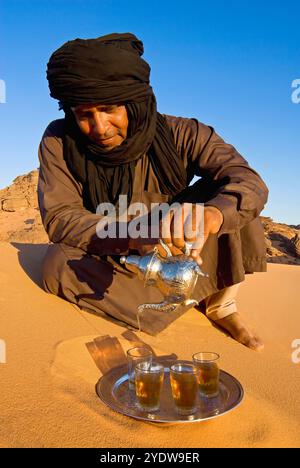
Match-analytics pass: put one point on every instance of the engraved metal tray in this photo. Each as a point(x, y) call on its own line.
point(114, 391)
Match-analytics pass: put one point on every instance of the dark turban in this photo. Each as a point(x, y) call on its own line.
point(110, 70)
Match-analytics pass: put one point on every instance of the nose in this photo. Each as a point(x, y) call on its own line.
point(100, 124)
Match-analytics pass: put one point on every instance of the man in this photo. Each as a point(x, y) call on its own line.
point(114, 142)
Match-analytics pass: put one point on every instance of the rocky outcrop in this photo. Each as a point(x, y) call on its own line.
point(20, 221)
point(14, 204)
point(282, 241)
point(21, 194)
point(295, 242)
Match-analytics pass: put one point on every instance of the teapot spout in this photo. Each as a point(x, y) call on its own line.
point(163, 306)
point(132, 263)
point(139, 265)
point(167, 306)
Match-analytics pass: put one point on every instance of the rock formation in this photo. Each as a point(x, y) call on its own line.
point(20, 219)
point(282, 241)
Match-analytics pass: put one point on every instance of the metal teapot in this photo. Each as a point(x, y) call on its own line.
point(175, 277)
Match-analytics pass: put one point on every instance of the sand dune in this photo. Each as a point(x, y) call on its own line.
point(48, 382)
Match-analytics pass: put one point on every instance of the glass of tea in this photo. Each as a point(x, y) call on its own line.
point(184, 385)
point(136, 355)
point(148, 385)
point(208, 365)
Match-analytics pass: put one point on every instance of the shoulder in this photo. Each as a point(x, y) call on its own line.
point(175, 122)
point(182, 128)
point(55, 129)
point(187, 127)
point(190, 135)
point(51, 143)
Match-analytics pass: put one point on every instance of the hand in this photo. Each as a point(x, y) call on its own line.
point(190, 224)
point(143, 249)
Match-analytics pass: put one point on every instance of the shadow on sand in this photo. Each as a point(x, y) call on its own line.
point(31, 258)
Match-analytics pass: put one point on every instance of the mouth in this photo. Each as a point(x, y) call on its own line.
point(104, 141)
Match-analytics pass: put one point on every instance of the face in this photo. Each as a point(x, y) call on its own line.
point(105, 125)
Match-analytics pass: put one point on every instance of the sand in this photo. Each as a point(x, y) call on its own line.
point(47, 391)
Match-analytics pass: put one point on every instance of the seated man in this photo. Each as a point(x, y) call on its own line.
point(114, 142)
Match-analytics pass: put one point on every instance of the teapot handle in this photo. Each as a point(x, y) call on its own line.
point(166, 248)
point(187, 248)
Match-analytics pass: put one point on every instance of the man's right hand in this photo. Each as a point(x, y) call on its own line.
point(143, 249)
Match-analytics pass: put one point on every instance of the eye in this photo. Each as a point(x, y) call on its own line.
point(83, 115)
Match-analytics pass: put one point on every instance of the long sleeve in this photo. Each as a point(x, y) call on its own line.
point(60, 200)
point(241, 193)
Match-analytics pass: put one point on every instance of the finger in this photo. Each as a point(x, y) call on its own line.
point(188, 222)
point(194, 225)
point(200, 240)
point(195, 255)
point(177, 230)
point(161, 251)
point(175, 250)
point(165, 227)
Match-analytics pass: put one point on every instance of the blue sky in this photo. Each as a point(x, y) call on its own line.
point(230, 64)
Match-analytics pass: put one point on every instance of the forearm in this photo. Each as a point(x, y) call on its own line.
point(240, 198)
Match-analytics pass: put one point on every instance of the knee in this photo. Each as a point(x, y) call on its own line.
point(53, 263)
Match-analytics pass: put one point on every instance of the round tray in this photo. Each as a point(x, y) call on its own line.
point(113, 389)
